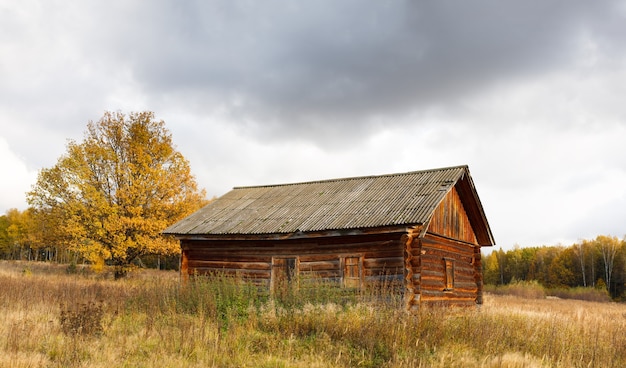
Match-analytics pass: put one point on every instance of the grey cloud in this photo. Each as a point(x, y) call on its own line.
point(337, 62)
point(321, 70)
point(289, 65)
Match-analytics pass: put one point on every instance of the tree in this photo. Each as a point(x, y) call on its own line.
point(5, 239)
point(117, 190)
point(18, 238)
point(580, 252)
point(491, 269)
point(562, 267)
point(608, 246)
point(49, 236)
point(502, 265)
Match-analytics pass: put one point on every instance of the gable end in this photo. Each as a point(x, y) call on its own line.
point(450, 220)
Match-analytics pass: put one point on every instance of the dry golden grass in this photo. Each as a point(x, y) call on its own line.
point(149, 320)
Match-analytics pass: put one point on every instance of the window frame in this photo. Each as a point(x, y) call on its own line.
point(448, 274)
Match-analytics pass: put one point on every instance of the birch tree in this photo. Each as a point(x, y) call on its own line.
point(608, 247)
point(580, 252)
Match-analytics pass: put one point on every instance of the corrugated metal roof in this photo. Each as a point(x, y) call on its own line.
point(337, 204)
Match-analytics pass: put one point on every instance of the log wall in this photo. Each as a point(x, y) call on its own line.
point(412, 265)
point(435, 250)
point(381, 257)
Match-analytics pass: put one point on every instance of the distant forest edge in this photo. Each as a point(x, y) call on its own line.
point(23, 237)
point(598, 264)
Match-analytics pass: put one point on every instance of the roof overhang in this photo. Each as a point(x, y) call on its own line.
point(298, 234)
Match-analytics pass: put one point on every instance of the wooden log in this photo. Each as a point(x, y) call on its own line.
point(320, 265)
point(320, 273)
point(230, 265)
point(232, 272)
point(391, 262)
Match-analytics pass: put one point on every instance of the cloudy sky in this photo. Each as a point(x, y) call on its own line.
point(530, 94)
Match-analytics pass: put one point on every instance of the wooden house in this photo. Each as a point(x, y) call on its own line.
point(423, 228)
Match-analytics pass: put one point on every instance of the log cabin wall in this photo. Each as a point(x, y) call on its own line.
point(438, 255)
point(412, 262)
point(450, 256)
point(478, 275)
point(379, 257)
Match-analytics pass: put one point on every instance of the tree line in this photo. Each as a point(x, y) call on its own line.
point(23, 238)
point(599, 263)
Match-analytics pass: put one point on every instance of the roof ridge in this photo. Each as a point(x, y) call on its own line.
point(353, 178)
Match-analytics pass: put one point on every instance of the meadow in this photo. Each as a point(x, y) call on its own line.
point(52, 318)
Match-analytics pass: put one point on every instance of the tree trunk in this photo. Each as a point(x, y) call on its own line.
point(120, 272)
point(581, 255)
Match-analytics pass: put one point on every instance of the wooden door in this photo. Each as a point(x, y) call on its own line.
point(352, 272)
point(284, 274)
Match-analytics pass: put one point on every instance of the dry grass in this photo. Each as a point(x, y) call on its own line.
point(534, 290)
point(149, 320)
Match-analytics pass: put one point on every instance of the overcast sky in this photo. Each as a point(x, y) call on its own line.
point(530, 94)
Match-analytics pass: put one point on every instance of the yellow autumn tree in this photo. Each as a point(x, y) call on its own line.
point(18, 236)
point(117, 190)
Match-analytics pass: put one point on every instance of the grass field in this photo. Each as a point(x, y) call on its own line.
point(49, 318)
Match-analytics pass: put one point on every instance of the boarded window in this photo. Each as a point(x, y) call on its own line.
point(352, 270)
point(284, 274)
point(449, 273)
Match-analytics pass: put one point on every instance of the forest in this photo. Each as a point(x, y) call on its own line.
point(592, 263)
point(23, 237)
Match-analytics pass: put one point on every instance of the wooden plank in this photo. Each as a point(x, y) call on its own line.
point(434, 240)
point(392, 263)
point(184, 264)
point(450, 219)
point(439, 254)
point(228, 256)
point(229, 265)
point(430, 273)
point(320, 257)
point(383, 253)
point(320, 265)
point(321, 274)
point(232, 272)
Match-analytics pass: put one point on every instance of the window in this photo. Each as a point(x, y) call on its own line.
point(352, 270)
point(449, 273)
